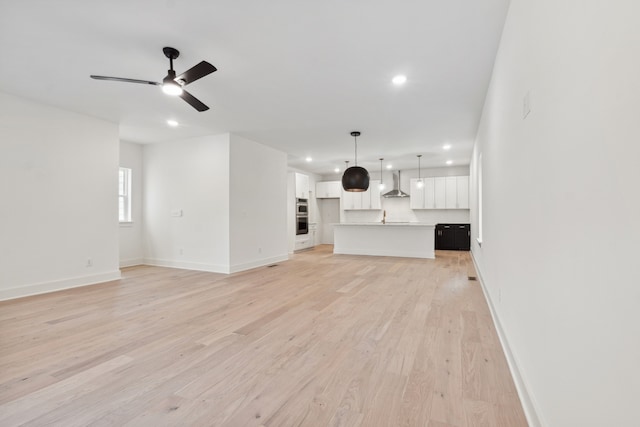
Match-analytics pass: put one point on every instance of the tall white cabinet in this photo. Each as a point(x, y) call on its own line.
point(302, 186)
point(451, 192)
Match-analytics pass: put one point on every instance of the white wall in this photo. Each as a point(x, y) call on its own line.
point(329, 210)
point(258, 204)
point(58, 186)
point(191, 176)
point(131, 251)
point(561, 208)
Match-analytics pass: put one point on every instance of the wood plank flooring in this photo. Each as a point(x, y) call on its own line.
point(319, 340)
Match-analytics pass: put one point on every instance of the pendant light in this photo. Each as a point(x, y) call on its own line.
point(419, 183)
point(355, 178)
point(381, 180)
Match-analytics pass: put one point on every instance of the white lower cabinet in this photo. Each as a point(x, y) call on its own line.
point(313, 231)
point(302, 242)
point(306, 241)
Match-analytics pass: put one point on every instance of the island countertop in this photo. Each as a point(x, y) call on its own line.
point(400, 239)
point(395, 224)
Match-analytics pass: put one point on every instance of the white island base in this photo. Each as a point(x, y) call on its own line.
point(411, 240)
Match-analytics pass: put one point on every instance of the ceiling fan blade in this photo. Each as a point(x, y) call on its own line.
point(120, 79)
point(196, 72)
point(193, 101)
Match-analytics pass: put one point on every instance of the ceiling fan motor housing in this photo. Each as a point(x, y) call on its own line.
point(171, 77)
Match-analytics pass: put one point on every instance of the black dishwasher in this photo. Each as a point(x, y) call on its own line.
point(453, 237)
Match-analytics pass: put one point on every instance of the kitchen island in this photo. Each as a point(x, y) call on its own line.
point(400, 239)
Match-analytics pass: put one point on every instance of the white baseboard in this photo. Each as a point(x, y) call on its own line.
point(374, 252)
point(257, 263)
point(57, 285)
point(212, 268)
point(528, 402)
point(131, 262)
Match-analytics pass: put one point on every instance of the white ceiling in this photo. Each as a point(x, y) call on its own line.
point(295, 75)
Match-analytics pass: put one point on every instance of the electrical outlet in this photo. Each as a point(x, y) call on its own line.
point(89, 262)
point(181, 251)
point(259, 250)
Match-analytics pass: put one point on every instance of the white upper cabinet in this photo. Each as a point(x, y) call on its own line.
point(416, 201)
point(369, 199)
point(302, 186)
point(422, 197)
point(328, 190)
point(429, 193)
point(347, 202)
point(440, 193)
point(450, 192)
point(463, 192)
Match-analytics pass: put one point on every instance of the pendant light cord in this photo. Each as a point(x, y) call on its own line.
point(356, 141)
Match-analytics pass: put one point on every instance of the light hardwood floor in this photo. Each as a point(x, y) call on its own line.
point(319, 340)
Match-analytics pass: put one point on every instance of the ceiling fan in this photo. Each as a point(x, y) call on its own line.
point(172, 84)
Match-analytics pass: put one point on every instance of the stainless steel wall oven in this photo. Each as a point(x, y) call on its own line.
point(302, 207)
point(302, 216)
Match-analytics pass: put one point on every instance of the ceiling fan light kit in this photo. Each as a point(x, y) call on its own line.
point(355, 178)
point(172, 84)
point(170, 87)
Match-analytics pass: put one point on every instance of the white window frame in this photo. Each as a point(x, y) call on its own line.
point(124, 195)
point(480, 197)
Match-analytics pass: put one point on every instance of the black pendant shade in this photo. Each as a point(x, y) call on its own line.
point(355, 178)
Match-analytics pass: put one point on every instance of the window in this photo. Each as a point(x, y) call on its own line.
point(124, 195)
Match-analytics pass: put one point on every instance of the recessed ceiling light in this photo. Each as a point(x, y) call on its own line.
point(336, 170)
point(446, 147)
point(449, 162)
point(389, 166)
point(399, 80)
point(308, 159)
point(172, 123)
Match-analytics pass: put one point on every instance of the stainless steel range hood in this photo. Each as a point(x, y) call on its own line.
point(396, 192)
